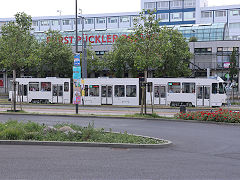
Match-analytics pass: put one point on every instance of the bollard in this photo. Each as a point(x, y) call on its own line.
point(182, 109)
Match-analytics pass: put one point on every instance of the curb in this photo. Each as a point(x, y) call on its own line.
point(86, 144)
point(119, 117)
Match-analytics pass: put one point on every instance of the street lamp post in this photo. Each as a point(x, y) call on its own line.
point(84, 61)
point(76, 39)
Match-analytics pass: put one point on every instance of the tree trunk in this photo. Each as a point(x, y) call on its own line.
point(14, 90)
point(145, 93)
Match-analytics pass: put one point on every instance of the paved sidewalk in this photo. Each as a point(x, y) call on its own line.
point(89, 111)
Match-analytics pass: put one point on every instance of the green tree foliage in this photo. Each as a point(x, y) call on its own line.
point(174, 53)
point(56, 57)
point(193, 39)
point(18, 47)
point(121, 59)
point(233, 70)
point(93, 62)
point(151, 48)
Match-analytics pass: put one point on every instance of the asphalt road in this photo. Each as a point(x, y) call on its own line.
point(200, 152)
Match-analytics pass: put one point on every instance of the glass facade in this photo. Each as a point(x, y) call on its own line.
point(211, 32)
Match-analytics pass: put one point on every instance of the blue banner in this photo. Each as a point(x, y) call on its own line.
point(76, 73)
point(77, 60)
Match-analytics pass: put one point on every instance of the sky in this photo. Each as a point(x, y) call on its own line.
point(50, 7)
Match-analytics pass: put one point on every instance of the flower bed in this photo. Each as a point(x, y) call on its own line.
point(221, 115)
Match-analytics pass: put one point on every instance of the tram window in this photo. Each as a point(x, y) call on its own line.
point(221, 88)
point(131, 90)
point(20, 90)
point(214, 88)
point(174, 87)
point(119, 91)
point(66, 86)
point(188, 87)
point(94, 90)
point(86, 90)
point(57, 90)
point(45, 86)
point(156, 91)
point(159, 91)
point(207, 93)
point(34, 86)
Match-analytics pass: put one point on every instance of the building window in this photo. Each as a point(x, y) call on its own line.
point(55, 22)
point(101, 20)
point(206, 14)
point(235, 12)
point(220, 13)
point(176, 16)
point(66, 22)
point(35, 23)
point(202, 50)
point(223, 61)
point(227, 49)
point(189, 16)
point(89, 21)
point(162, 5)
point(189, 4)
point(79, 21)
point(149, 5)
point(45, 23)
point(124, 19)
point(234, 25)
point(176, 4)
point(112, 20)
point(164, 17)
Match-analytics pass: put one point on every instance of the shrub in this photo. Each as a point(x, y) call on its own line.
point(12, 134)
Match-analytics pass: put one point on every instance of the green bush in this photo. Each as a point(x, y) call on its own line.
point(14, 130)
point(12, 133)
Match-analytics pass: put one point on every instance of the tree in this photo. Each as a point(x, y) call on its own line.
point(56, 57)
point(93, 62)
point(150, 47)
point(18, 47)
point(175, 55)
point(193, 39)
point(233, 70)
point(121, 59)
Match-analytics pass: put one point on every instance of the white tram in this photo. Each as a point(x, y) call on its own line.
point(166, 91)
point(43, 90)
point(125, 91)
point(188, 91)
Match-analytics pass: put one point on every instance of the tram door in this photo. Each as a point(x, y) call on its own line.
point(159, 95)
point(57, 93)
point(106, 95)
point(22, 93)
point(203, 95)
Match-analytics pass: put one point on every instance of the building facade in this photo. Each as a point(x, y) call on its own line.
point(214, 27)
point(214, 55)
point(170, 12)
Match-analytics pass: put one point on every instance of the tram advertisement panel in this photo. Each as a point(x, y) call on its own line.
point(76, 85)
